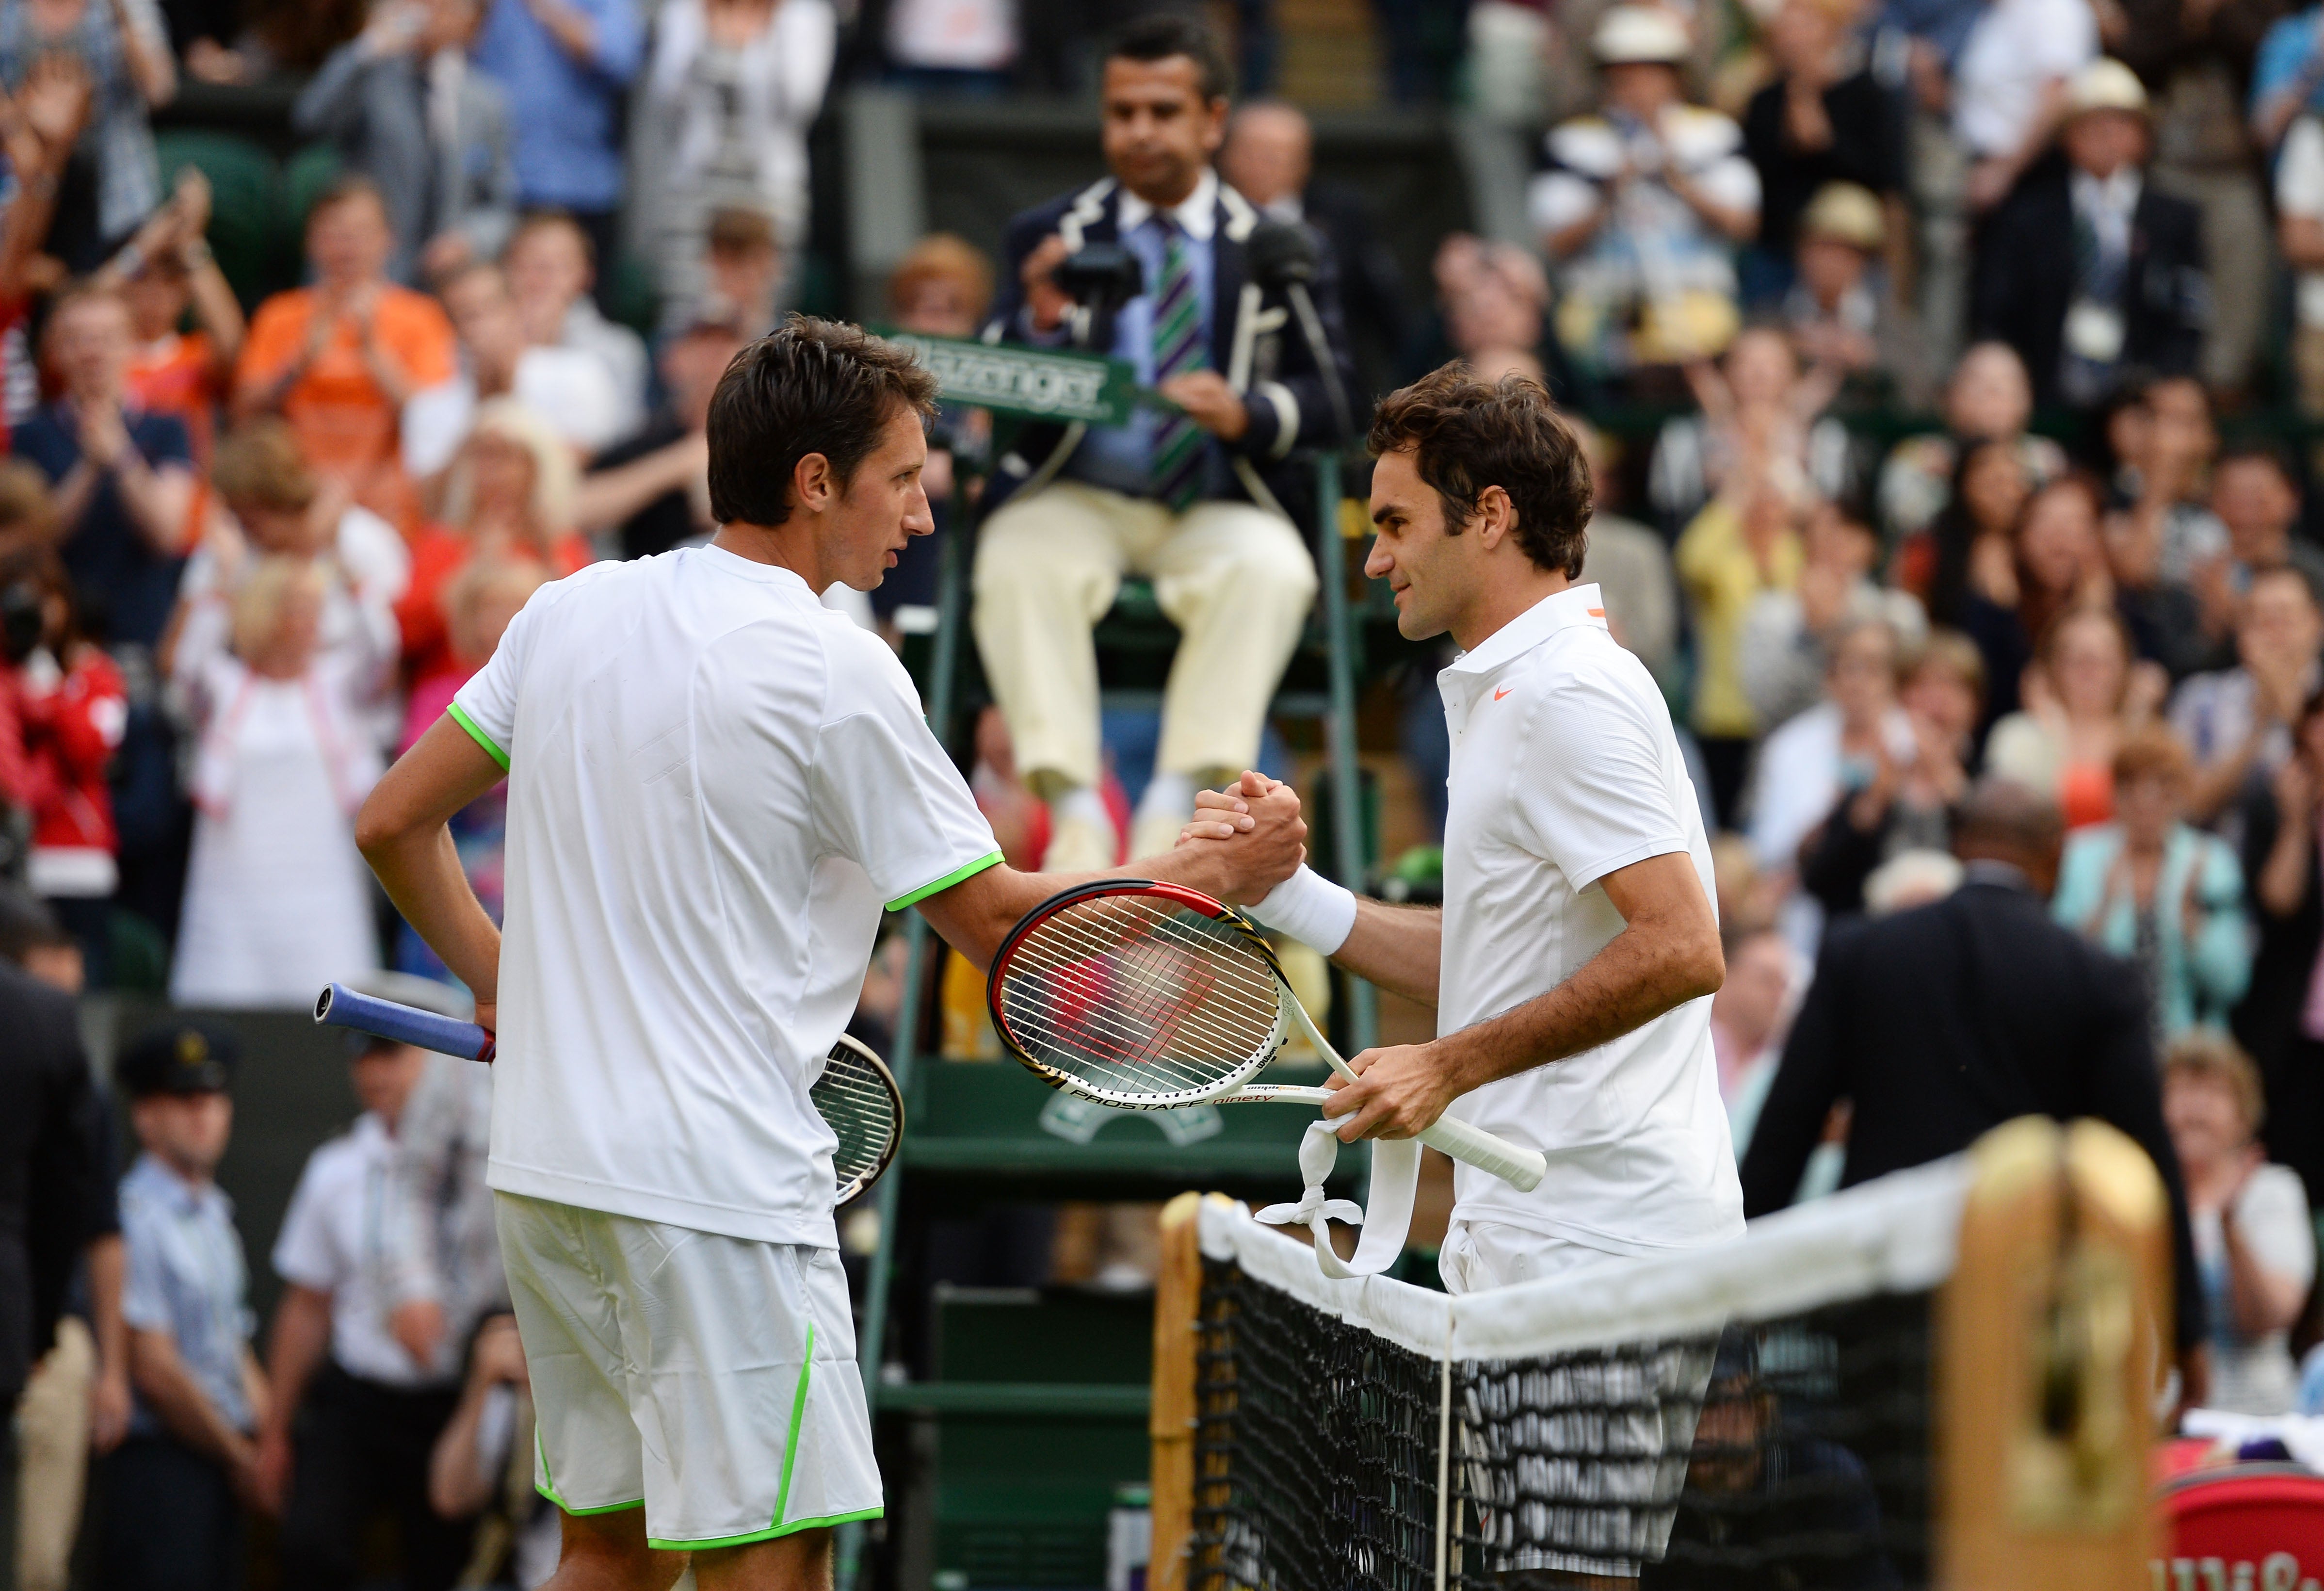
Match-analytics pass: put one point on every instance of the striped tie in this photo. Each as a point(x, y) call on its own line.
point(1178, 348)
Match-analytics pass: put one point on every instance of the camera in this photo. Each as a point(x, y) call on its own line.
point(1101, 276)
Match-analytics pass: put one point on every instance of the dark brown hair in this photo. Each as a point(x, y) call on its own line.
point(809, 386)
point(1467, 434)
point(1162, 34)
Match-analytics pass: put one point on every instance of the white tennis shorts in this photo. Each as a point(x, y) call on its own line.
point(710, 1379)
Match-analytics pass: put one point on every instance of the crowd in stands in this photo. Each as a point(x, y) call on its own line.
point(1948, 371)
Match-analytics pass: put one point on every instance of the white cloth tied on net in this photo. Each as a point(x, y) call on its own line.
point(1396, 1178)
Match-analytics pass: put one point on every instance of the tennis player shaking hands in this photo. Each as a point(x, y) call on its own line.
point(1573, 962)
point(715, 784)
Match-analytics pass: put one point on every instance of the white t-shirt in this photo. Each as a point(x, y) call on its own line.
point(571, 391)
point(713, 783)
point(1564, 769)
point(331, 1241)
point(2255, 1375)
point(2299, 192)
point(2013, 52)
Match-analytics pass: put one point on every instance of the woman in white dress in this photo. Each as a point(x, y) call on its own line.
point(278, 901)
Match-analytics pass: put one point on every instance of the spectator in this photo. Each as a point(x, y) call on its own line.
point(1193, 500)
point(2238, 722)
point(1986, 398)
point(1973, 534)
point(121, 478)
point(71, 710)
point(339, 360)
point(2255, 1249)
point(2256, 502)
point(1939, 1023)
point(2168, 897)
point(1785, 650)
point(1758, 411)
point(355, 1405)
point(2299, 238)
point(511, 490)
point(564, 68)
point(31, 939)
point(1642, 208)
point(165, 270)
point(721, 116)
point(942, 287)
point(175, 1489)
point(2135, 297)
point(1745, 544)
point(482, 1462)
point(1630, 566)
point(2010, 90)
point(742, 272)
point(652, 493)
point(1269, 158)
point(2287, 77)
point(430, 134)
point(1492, 297)
point(568, 389)
point(1749, 1017)
point(276, 505)
point(124, 48)
point(2085, 696)
point(963, 47)
point(1823, 119)
point(2019, 590)
point(278, 901)
point(552, 264)
point(40, 129)
point(2281, 1021)
point(1906, 809)
point(1840, 310)
point(2163, 442)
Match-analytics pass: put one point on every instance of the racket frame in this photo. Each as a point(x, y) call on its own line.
point(854, 1049)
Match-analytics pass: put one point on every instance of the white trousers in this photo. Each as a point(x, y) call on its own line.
point(1236, 580)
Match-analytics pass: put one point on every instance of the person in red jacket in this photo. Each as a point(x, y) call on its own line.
point(70, 708)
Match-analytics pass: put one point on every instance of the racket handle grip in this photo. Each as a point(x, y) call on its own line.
point(339, 1006)
point(1521, 1168)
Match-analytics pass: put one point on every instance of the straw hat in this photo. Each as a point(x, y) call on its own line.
point(1846, 213)
point(2106, 84)
point(1630, 35)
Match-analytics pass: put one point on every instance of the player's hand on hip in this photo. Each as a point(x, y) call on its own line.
point(1399, 1092)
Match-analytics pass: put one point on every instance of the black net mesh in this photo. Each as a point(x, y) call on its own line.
point(1780, 1453)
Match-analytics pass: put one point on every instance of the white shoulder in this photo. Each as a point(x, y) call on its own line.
point(1588, 145)
point(1697, 134)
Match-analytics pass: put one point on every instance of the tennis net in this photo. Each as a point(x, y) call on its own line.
point(1755, 1415)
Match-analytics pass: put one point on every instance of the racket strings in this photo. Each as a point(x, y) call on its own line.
point(857, 1106)
point(1140, 996)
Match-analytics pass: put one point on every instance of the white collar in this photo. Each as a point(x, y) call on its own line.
point(789, 580)
point(1576, 604)
point(2119, 192)
point(1197, 214)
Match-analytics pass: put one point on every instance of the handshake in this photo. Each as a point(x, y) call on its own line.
point(1243, 840)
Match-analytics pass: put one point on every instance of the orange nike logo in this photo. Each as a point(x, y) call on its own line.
point(1597, 613)
point(1503, 691)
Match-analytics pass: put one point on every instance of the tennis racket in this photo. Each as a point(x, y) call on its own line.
point(855, 1094)
point(1150, 996)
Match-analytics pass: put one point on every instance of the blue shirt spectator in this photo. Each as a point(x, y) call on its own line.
point(128, 584)
point(1943, 24)
point(187, 1279)
point(2287, 74)
point(564, 65)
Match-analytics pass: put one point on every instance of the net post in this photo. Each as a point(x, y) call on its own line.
point(2052, 1339)
point(1177, 1309)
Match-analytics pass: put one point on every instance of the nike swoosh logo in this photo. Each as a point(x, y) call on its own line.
point(1500, 693)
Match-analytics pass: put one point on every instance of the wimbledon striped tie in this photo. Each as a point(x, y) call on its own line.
point(1178, 346)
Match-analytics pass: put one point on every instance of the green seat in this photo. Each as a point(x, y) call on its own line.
point(245, 204)
point(304, 177)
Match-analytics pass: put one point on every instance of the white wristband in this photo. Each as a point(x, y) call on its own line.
point(1310, 909)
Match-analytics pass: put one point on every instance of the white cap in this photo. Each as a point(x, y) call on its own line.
point(1636, 34)
point(2106, 84)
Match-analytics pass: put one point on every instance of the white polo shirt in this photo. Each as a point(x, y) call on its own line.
point(333, 1241)
point(1565, 767)
point(715, 782)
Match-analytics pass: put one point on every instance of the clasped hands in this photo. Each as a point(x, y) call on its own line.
point(1254, 839)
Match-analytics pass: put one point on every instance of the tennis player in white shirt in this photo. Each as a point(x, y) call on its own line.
point(715, 783)
point(1574, 960)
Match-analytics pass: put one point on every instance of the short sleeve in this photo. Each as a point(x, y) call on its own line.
point(485, 707)
point(2272, 1217)
point(425, 344)
point(1733, 183)
point(145, 1288)
point(1591, 790)
point(1559, 199)
point(886, 796)
point(2299, 173)
point(303, 1255)
point(2063, 39)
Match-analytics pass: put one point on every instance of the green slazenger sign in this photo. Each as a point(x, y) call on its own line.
point(1034, 382)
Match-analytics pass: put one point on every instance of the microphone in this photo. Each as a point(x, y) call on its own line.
point(1282, 255)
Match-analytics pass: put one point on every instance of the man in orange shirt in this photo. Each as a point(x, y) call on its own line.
point(338, 359)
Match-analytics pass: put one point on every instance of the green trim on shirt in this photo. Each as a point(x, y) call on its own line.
point(454, 712)
point(925, 889)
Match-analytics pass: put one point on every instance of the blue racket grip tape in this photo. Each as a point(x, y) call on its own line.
point(339, 1006)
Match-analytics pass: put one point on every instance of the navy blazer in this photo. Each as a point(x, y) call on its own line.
point(1255, 343)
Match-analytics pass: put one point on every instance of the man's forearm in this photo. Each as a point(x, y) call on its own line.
point(108, 1265)
point(184, 1410)
point(1401, 948)
point(295, 1351)
point(422, 875)
point(1636, 978)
